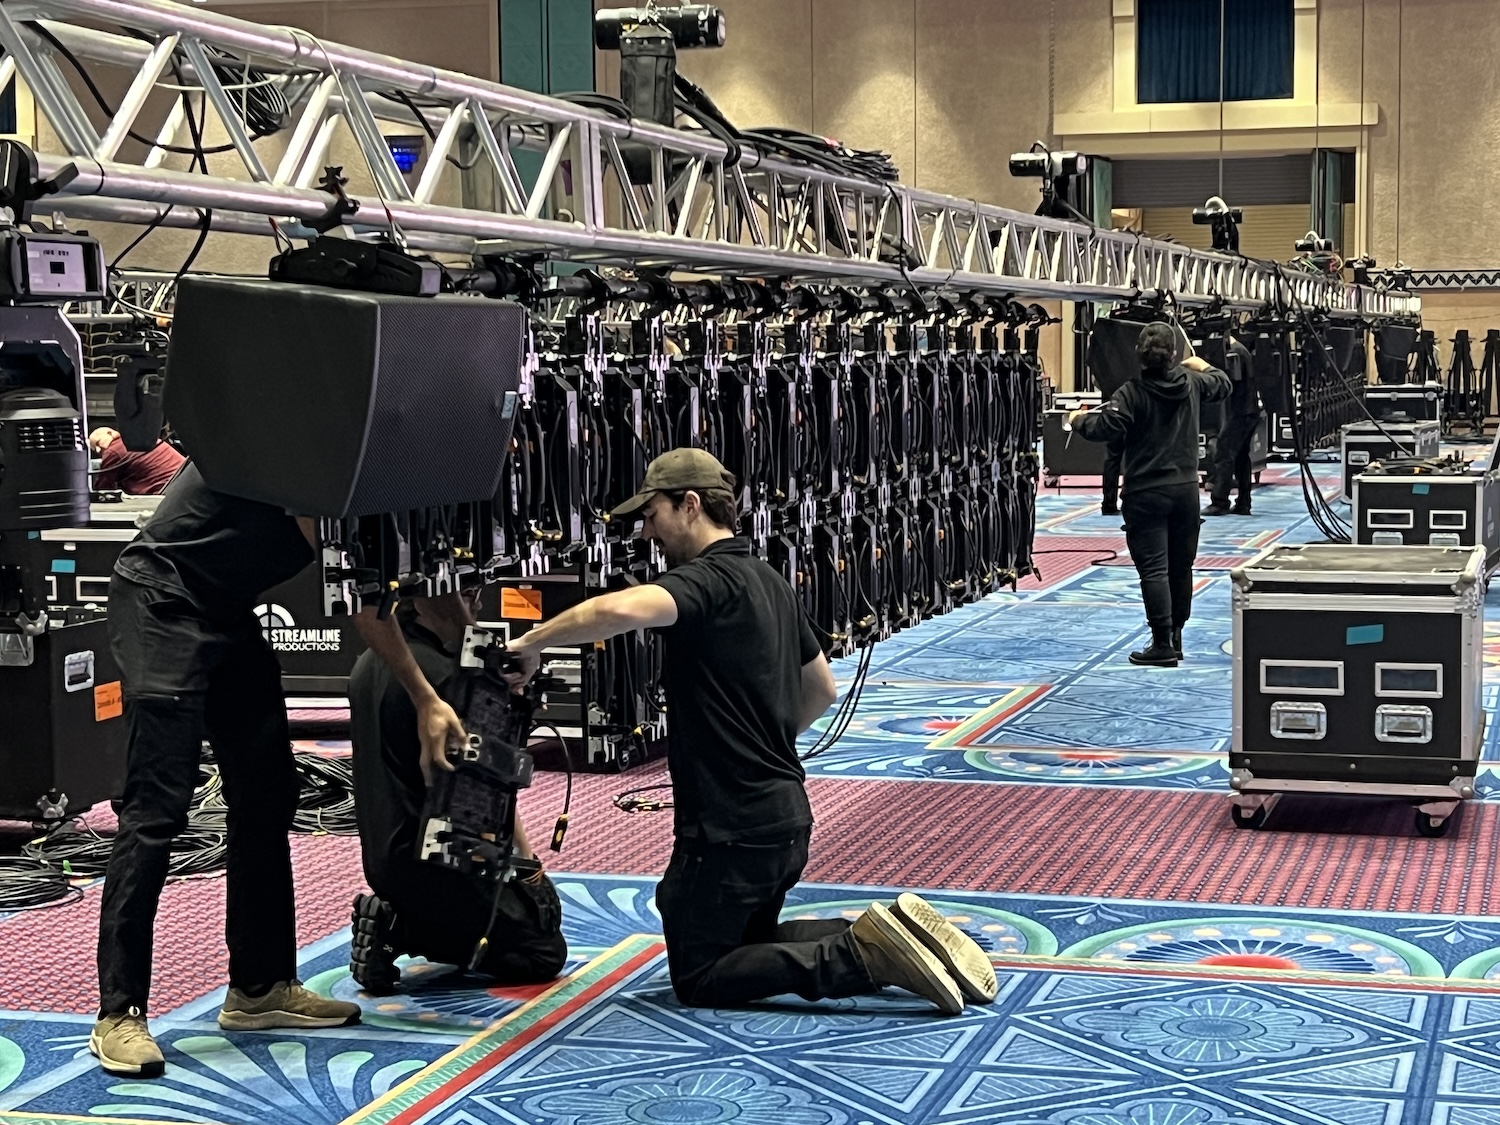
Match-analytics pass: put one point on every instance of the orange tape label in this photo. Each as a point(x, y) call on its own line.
point(109, 703)
point(520, 605)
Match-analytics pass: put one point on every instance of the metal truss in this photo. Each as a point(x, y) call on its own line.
point(608, 190)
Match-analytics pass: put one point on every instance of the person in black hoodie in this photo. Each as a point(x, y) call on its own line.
point(1232, 455)
point(1156, 416)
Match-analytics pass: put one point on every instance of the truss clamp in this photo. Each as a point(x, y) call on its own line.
point(341, 208)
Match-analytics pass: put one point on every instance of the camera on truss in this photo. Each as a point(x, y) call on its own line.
point(648, 40)
point(1225, 221)
point(469, 819)
point(42, 267)
point(1059, 173)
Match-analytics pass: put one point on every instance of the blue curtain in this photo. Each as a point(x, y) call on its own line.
point(1258, 45)
point(1177, 50)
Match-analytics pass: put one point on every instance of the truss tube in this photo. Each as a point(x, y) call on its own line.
point(1051, 255)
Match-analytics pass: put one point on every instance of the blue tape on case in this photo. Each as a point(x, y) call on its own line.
point(1364, 634)
point(1421, 489)
point(64, 566)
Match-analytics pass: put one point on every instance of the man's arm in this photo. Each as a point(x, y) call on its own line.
point(1213, 384)
point(437, 723)
point(647, 606)
point(818, 691)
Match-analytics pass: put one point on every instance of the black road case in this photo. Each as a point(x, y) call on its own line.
point(62, 730)
point(1442, 510)
point(1358, 670)
point(1405, 402)
point(1361, 443)
point(1066, 454)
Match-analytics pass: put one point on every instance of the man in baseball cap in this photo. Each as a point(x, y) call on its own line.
point(744, 675)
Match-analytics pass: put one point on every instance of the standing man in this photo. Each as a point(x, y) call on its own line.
point(744, 676)
point(1156, 415)
point(195, 661)
point(1114, 452)
point(419, 908)
point(1232, 454)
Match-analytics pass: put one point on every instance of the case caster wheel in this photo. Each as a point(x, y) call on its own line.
point(1248, 818)
point(1431, 826)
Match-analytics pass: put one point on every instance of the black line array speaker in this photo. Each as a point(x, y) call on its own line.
point(331, 403)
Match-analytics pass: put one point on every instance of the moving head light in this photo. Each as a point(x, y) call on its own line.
point(690, 25)
point(1058, 172)
point(1048, 165)
point(1224, 219)
point(1310, 243)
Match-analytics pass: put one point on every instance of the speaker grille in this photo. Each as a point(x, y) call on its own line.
point(55, 435)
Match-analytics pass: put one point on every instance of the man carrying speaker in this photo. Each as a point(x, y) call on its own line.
point(418, 908)
point(195, 662)
point(744, 675)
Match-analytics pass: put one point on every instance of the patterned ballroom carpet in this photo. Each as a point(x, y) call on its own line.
point(1158, 965)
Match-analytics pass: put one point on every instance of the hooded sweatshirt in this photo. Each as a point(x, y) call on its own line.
point(1156, 415)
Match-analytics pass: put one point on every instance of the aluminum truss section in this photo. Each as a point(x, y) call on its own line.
point(607, 190)
point(1431, 281)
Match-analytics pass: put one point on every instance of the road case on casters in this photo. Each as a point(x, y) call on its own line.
point(1358, 670)
point(1449, 509)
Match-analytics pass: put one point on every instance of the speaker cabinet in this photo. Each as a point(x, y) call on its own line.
point(331, 403)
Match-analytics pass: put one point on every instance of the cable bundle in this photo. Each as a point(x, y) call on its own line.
point(30, 884)
point(326, 805)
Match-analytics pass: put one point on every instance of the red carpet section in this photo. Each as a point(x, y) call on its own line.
point(1114, 843)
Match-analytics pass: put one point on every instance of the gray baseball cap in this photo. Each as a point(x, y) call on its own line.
point(677, 470)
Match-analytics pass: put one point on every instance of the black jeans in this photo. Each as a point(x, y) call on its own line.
point(1232, 459)
point(187, 674)
point(1161, 531)
point(720, 910)
point(441, 915)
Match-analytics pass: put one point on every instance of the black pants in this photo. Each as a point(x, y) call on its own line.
point(187, 674)
point(1232, 459)
point(1110, 474)
point(441, 915)
point(1161, 530)
point(720, 910)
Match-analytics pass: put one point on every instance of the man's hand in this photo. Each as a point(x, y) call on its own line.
point(438, 726)
point(1075, 415)
point(528, 660)
point(1193, 363)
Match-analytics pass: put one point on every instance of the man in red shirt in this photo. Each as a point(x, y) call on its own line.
point(139, 474)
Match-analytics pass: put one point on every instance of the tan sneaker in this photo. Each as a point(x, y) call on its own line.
point(123, 1045)
point(893, 955)
point(288, 1004)
point(959, 953)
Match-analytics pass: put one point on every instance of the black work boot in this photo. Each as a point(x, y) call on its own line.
point(372, 955)
point(1160, 653)
point(1241, 508)
point(1177, 640)
point(1110, 506)
point(1217, 508)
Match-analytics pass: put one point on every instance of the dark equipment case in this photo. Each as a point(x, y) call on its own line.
point(1448, 507)
point(1362, 443)
point(1358, 670)
point(62, 731)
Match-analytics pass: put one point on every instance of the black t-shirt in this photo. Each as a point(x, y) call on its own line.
point(733, 675)
point(389, 789)
point(219, 552)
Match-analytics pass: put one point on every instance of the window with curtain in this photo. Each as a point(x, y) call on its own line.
point(1178, 50)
